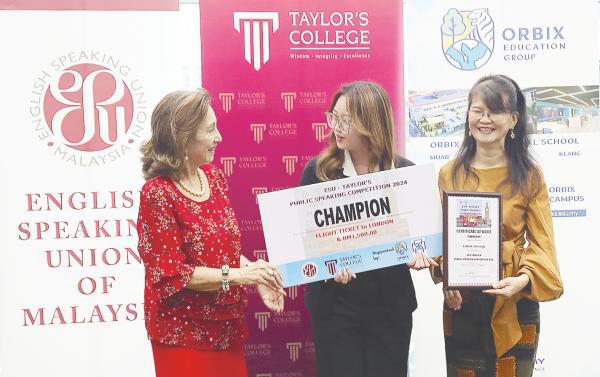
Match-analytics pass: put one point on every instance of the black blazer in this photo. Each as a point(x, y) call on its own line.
point(396, 283)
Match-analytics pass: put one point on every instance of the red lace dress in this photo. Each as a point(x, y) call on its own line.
point(176, 234)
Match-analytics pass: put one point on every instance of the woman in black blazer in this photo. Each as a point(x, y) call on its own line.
point(361, 324)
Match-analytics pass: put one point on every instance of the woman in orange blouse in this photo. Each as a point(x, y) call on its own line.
point(496, 332)
point(189, 240)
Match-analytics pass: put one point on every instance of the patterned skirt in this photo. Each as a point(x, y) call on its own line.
point(470, 350)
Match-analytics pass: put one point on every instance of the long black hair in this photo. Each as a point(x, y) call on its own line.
point(502, 94)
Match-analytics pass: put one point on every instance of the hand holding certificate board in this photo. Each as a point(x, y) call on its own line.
point(365, 222)
point(472, 239)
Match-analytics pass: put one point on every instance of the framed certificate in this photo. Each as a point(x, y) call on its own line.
point(472, 239)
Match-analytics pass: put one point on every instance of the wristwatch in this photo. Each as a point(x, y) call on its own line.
point(225, 277)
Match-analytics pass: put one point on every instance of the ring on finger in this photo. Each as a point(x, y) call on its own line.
point(271, 272)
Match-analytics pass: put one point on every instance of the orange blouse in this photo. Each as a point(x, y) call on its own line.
point(527, 248)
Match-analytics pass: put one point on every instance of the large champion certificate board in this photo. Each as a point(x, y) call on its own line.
point(365, 222)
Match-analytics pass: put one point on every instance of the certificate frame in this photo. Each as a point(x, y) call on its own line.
point(472, 239)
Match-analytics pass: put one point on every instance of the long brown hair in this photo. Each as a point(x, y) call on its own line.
point(174, 122)
point(371, 113)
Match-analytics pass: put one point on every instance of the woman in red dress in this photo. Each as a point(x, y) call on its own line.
point(189, 240)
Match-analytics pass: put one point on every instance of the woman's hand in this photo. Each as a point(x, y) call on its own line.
point(261, 272)
point(271, 298)
point(421, 261)
point(344, 276)
point(509, 286)
point(453, 299)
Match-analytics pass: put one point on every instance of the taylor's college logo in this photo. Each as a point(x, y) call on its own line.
point(309, 270)
point(467, 38)
point(88, 113)
point(292, 292)
point(260, 254)
point(256, 28)
point(321, 131)
point(258, 131)
point(288, 100)
point(331, 266)
point(257, 191)
point(227, 163)
point(290, 163)
point(263, 319)
point(226, 99)
point(294, 349)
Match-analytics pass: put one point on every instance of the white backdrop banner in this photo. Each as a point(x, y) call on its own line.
point(551, 49)
point(78, 88)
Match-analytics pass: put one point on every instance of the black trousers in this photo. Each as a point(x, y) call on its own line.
point(358, 338)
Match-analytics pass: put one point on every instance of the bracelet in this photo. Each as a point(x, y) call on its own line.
point(225, 276)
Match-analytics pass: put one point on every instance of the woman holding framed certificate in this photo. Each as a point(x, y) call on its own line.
point(361, 324)
point(189, 241)
point(496, 331)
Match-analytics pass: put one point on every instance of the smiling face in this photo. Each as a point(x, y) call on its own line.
point(201, 147)
point(489, 128)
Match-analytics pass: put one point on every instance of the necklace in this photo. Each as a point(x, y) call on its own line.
point(189, 191)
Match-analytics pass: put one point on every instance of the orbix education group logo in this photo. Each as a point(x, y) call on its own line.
point(256, 29)
point(467, 38)
point(88, 108)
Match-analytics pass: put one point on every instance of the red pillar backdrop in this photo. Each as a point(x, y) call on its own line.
point(272, 68)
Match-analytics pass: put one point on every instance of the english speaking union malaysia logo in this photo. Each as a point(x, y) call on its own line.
point(309, 270)
point(256, 29)
point(88, 109)
point(467, 38)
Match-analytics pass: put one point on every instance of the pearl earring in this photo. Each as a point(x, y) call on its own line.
point(512, 133)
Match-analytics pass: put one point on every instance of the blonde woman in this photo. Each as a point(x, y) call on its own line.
point(189, 241)
point(361, 323)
